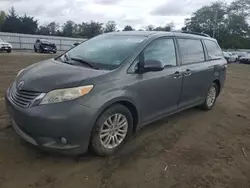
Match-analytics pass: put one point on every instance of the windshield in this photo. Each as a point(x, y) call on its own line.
point(106, 51)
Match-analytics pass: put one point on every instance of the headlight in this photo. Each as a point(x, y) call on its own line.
point(61, 95)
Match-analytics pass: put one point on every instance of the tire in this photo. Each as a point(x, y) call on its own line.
point(208, 105)
point(40, 50)
point(8, 51)
point(35, 49)
point(96, 144)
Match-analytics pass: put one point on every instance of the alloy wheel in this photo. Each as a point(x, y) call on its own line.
point(114, 130)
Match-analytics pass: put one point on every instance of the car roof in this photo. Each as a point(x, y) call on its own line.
point(158, 34)
point(45, 40)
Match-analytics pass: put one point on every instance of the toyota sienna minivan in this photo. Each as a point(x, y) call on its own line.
point(98, 93)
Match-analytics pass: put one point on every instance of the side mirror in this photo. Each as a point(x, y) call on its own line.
point(152, 66)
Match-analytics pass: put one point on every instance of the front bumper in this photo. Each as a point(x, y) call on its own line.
point(49, 49)
point(5, 48)
point(46, 125)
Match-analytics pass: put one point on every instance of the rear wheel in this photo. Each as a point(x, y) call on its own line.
point(211, 97)
point(111, 130)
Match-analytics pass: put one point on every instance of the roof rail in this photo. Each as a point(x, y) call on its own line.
point(195, 33)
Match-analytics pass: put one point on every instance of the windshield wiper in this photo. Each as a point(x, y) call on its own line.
point(83, 61)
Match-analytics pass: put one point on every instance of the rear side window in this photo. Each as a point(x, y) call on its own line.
point(162, 50)
point(191, 51)
point(213, 49)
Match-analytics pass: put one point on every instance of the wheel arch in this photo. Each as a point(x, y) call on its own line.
point(217, 82)
point(125, 102)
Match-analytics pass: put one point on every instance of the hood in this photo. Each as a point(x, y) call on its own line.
point(51, 74)
point(5, 43)
point(48, 43)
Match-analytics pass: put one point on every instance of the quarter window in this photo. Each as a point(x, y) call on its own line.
point(161, 50)
point(191, 51)
point(213, 49)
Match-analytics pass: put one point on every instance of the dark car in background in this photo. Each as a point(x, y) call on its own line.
point(42, 45)
point(98, 93)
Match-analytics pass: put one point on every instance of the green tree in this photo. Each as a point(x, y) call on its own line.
point(167, 27)
point(90, 29)
point(149, 28)
point(240, 8)
point(53, 28)
point(69, 29)
point(28, 25)
point(12, 22)
point(227, 23)
point(43, 30)
point(208, 19)
point(128, 28)
point(2, 19)
point(110, 27)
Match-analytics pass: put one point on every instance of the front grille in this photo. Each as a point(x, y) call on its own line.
point(22, 98)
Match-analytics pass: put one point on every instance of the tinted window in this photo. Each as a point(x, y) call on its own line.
point(106, 51)
point(213, 49)
point(191, 51)
point(161, 50)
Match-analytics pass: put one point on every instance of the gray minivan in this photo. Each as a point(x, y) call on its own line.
point(98, 93)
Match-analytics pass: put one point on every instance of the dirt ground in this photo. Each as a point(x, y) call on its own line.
point(191, 149)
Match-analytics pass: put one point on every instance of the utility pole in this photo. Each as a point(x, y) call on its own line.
point(215, 22)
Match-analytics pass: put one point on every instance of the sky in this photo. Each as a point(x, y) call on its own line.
point(137, 13)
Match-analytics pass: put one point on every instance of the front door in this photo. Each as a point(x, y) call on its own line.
point(197, 73)
point(159, 92)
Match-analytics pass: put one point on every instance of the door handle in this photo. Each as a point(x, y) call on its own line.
point(177, 74)
point(188, 72)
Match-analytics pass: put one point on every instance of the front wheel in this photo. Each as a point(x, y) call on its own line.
point(8, 51)
point(40, 50)
point(211, 97)
point(111, 130)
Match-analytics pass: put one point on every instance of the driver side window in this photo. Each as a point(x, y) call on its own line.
point(162, 50)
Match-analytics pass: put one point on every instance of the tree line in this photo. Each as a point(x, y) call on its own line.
point(228, 23)
point(11, 22)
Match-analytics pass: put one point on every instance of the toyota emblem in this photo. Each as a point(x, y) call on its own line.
point(20, 85)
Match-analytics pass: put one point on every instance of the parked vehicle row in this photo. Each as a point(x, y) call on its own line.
point(41, 46)
point(98, 93)
point(241, 57)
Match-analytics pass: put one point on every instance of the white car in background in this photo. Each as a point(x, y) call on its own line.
point(230, 57)
point(5, 46)
point(234, 56)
